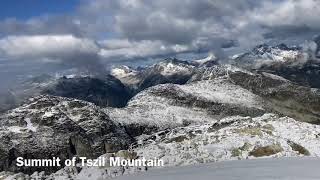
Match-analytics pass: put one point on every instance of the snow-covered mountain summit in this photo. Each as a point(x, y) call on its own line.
point(265, 55)
point(298, 64)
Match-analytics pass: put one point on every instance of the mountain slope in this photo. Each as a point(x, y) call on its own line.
point(306, 74)
point(281, 95)
point(48, 126)
point(184, 112)
point(265, 55)
point(107, 91)
point(297, 64)
point(102, 92)
point(232, 138)
point(214, 93)
point(166, 106)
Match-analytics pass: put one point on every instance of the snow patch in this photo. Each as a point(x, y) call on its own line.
point(30, 125)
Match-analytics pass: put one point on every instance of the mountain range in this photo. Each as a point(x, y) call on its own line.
point(263, 103)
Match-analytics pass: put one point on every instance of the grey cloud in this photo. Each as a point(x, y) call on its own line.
point(142, 28)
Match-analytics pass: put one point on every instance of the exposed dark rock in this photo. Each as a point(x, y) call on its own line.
point(299, 148)
point(177, 139)
point(266, 150)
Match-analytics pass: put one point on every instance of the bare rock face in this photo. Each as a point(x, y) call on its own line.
point(48, 126)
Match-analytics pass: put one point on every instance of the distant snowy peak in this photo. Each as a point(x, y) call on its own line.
point(126, 75)
point(265, 54)
point(175, 66)
point(297, 64)
point(171, 67)
point(166, 71)
point(123, 71)
point(169, 70)
point(265, 49)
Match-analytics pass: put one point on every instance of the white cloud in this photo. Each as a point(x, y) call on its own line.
point(46, 46)
point(125, 49)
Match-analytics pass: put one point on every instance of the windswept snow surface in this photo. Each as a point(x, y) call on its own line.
point(261, 169)
point(233, 138)
point(223, 91)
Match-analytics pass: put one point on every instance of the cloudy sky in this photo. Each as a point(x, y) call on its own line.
point(81, 32)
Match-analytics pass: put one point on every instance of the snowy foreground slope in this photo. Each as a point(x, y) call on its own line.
point(232, 138)
point(262, 169)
